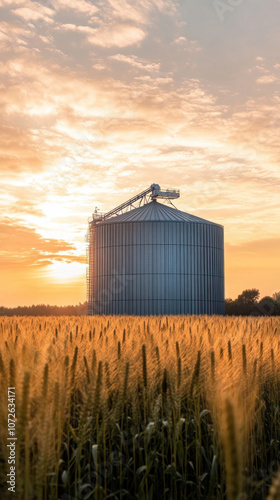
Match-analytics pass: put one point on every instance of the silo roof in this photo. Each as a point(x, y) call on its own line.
point(155, 211)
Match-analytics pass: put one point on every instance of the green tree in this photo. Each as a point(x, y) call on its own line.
point(248, 297)
point(267, 306)
point(231, 307)
point(246, 302)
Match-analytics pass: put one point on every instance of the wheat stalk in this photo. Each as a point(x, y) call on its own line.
point(231, 452)
point(274, 491)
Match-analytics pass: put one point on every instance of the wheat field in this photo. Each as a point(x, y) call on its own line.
point(183, 407)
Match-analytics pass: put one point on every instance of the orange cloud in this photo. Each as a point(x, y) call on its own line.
point(266, 79)
point(23, 246)
point(34, 11)
point(136, 62)
point(116, 35)
point(80, 6)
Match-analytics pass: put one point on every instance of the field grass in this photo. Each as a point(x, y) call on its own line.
point(142, 408)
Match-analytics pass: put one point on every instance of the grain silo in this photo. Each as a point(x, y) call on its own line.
point(154, 259)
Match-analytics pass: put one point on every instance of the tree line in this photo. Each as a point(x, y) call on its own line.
point(248, 303)
point(44, 310)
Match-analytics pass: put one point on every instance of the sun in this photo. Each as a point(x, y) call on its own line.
point(65, 271)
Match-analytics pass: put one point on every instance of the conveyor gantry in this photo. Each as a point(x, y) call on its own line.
point(152, 193)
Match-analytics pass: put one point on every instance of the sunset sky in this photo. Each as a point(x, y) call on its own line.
point(101, 99)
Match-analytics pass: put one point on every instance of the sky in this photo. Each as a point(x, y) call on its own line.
point(101, 99)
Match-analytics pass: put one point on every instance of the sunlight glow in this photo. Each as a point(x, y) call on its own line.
point(65, 271)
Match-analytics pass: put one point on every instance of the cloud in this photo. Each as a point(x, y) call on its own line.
point(34, 11)
point(268, 75)
point(26, 207)
point(181, 40)
point(118, 23)
point(128, 11)
point(109, 35)
point(266, 79)
point(3, 37)
point(187, 45)
point(80, 6)
point(136, 62)
point(14, 34)
point(19, 151)
point(137, 12)
point(23, 246)
point(118, 35)
point(8, 3)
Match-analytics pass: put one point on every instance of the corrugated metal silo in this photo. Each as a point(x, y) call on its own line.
point(156, 260)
